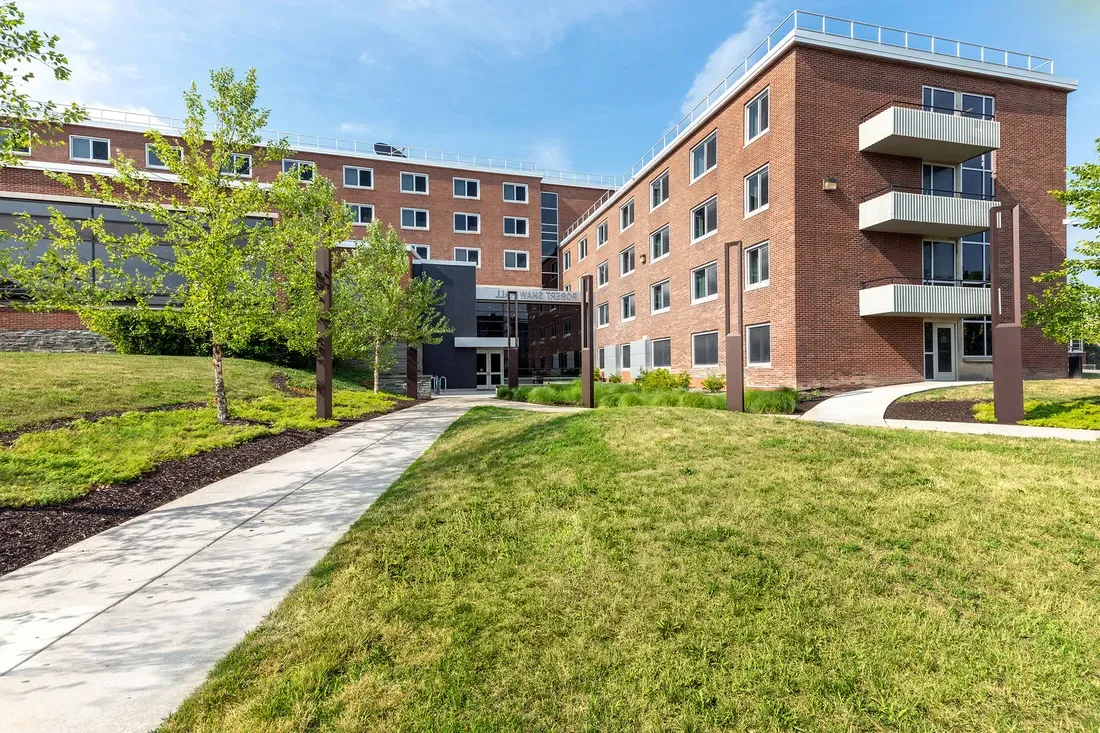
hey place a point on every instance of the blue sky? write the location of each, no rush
(585, 85)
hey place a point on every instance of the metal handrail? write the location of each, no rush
(927, 108)
(944, 192)
(901, 280)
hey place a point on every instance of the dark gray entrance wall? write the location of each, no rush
(459, 288)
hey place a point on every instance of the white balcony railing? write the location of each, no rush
(902, 299)
(911, 131)
(903, 210)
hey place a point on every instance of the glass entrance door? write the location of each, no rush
(944, 356)
(490, 369)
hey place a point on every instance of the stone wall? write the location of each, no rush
(55, 340)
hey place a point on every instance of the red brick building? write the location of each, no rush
(857, 170)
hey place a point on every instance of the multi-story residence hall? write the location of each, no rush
(857, 166)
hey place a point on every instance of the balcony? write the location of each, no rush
(902, 297)
(931, 212)
(930, 133)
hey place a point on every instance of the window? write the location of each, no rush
(422, 251)
(938, 180)
(95, 149)
(977, 105)
(704, 349)
(756, 116)
(949, 102)
(152, 160)
(704, 220)
(582, 249)
(414, 183)
(566, 326)
(601, 235)
(1076, 346)
(756, 266)
(939, 263)
(468, 254)
(599, 356)
(414, 218)
(601, 274)
(603, 315)
(567, 260)
(975, 259)
(704, 156)
(661, 299)
(239, 165)
(302, 169)
(627, 303)
(624, 356)
(515, 193)
(553, 329)
(467, 188)
(358, 177)
(704, 283)
(658, 244)
(515, 260)
(467, 223)
(662, 353)
(759, 339)
(515, 226)
(658, 191)
(626, 261)
(21, 144)
(361, 213)
(976, 177)
(978, 337)
(756, 191)
(939, 100)
(626, 215)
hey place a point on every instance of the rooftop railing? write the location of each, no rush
(826, 25)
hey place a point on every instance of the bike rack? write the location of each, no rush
(439, 385)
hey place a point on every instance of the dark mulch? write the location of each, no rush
(945, 411)
(8, 437)
(808, 399)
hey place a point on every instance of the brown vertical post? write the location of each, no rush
(324, 334)
(412, 369)
(1008, 354)
(588, 344)
(512, 331)
(735, 357)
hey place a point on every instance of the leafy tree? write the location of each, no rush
(376, 303)
(25, 120)
(1069, 307)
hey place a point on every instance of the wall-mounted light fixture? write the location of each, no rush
(643, 259)
(828, 184)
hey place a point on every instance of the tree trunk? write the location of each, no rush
(377, 362)
(219, 385)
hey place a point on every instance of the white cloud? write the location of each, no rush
(551, 155)
(760, 20)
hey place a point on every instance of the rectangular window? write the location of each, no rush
(756, 116)
(658, 191)
(978, 337)
(582, 249)
(422, 251)
(661, 299)
(704, 283)
(976, 177)
(759, 339)
(467, 188)
(152, 160)
(626, 261)
(947, 101)
(95, 149)
(468, 254)
(938, 180)
(239, 166)
(355, 177)
(976, 105)
(467, 223)
(658, 244)
(601, 235)
(515, 226)
(757, 271)
(624, 356)
(704, 220)
(414, 183)
(756, 191)
(567, 260)
(515, 260)
(939, 100)
(975, 259)
(939, 263)
(566, 326)
(599, 357)
(704, 349)
(515, 193)
(627, 303)
(414, 218)
(662, 353)
(361, 213)
(601, 274)
(603, 315)
(20, 145)
(303, 170)
(929, 351)
(626, 215)
(704, 156)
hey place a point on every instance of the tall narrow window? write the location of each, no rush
(757, 270)
(976, 176)
(658, 244)
(704, 220)
(567, 259)
(756, 191)
(627, 302)
(975, 259)
(939, 263)
(662, 353)
(756, 116)
(601, 274)
(759, 340)
(661, 299)
(658, 191)
(978, 337)
(626, 215)
(601, 234)
(582, 248)
(704, 283)
(603, 315)
(626, 261)
(704, 156)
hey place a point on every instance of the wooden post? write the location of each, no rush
(588, 344)
(412, 369)
(511, 331)
(735, 356)
(1008, 352)
(324, 334)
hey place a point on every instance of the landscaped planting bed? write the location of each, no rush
(780, 401)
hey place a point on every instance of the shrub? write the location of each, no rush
(714, 382)
(522, 393)
(771, 401)
(504, 392)
(596, 376)
(657, 379)
(549, 394)
(683, 381)
(615, 379)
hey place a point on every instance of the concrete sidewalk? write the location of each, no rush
(112, 633)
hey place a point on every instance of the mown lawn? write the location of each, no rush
(693, 570)
(1054, 403)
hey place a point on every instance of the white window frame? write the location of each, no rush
(601, 234)
(711, 233)
(517, 252)
(694, 362)
(149, 148)
(427, 219)
(466, 182)
(748, 346)
(668, 190)
(566, 260)
(763, 207)
(6, 131)
(652, 288)
(504, 193)
(762, 283)
(622, 304)
(627, 207)
(957, 105)
(652, 347)
(691, 283)
(91, 147)
(427, 183)
(427, 250)
(301, 164)
(526, 226)
(582, 248)
(652, 257)
(233, 172)
(748, 106)
(604, 310)
(634, 256)
(358, 169)
(467, 214)
(467, 250)
(691, 156)
(607, 270)
(353, 205)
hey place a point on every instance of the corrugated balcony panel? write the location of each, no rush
(918, 133)
(924, 300)
(917, 213)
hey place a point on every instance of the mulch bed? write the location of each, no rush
(808, 399)
(943, 411)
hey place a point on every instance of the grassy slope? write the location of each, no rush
(693, 570)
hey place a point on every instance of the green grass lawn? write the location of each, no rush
(695, 570)
(1055, 403)
(771, 401)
